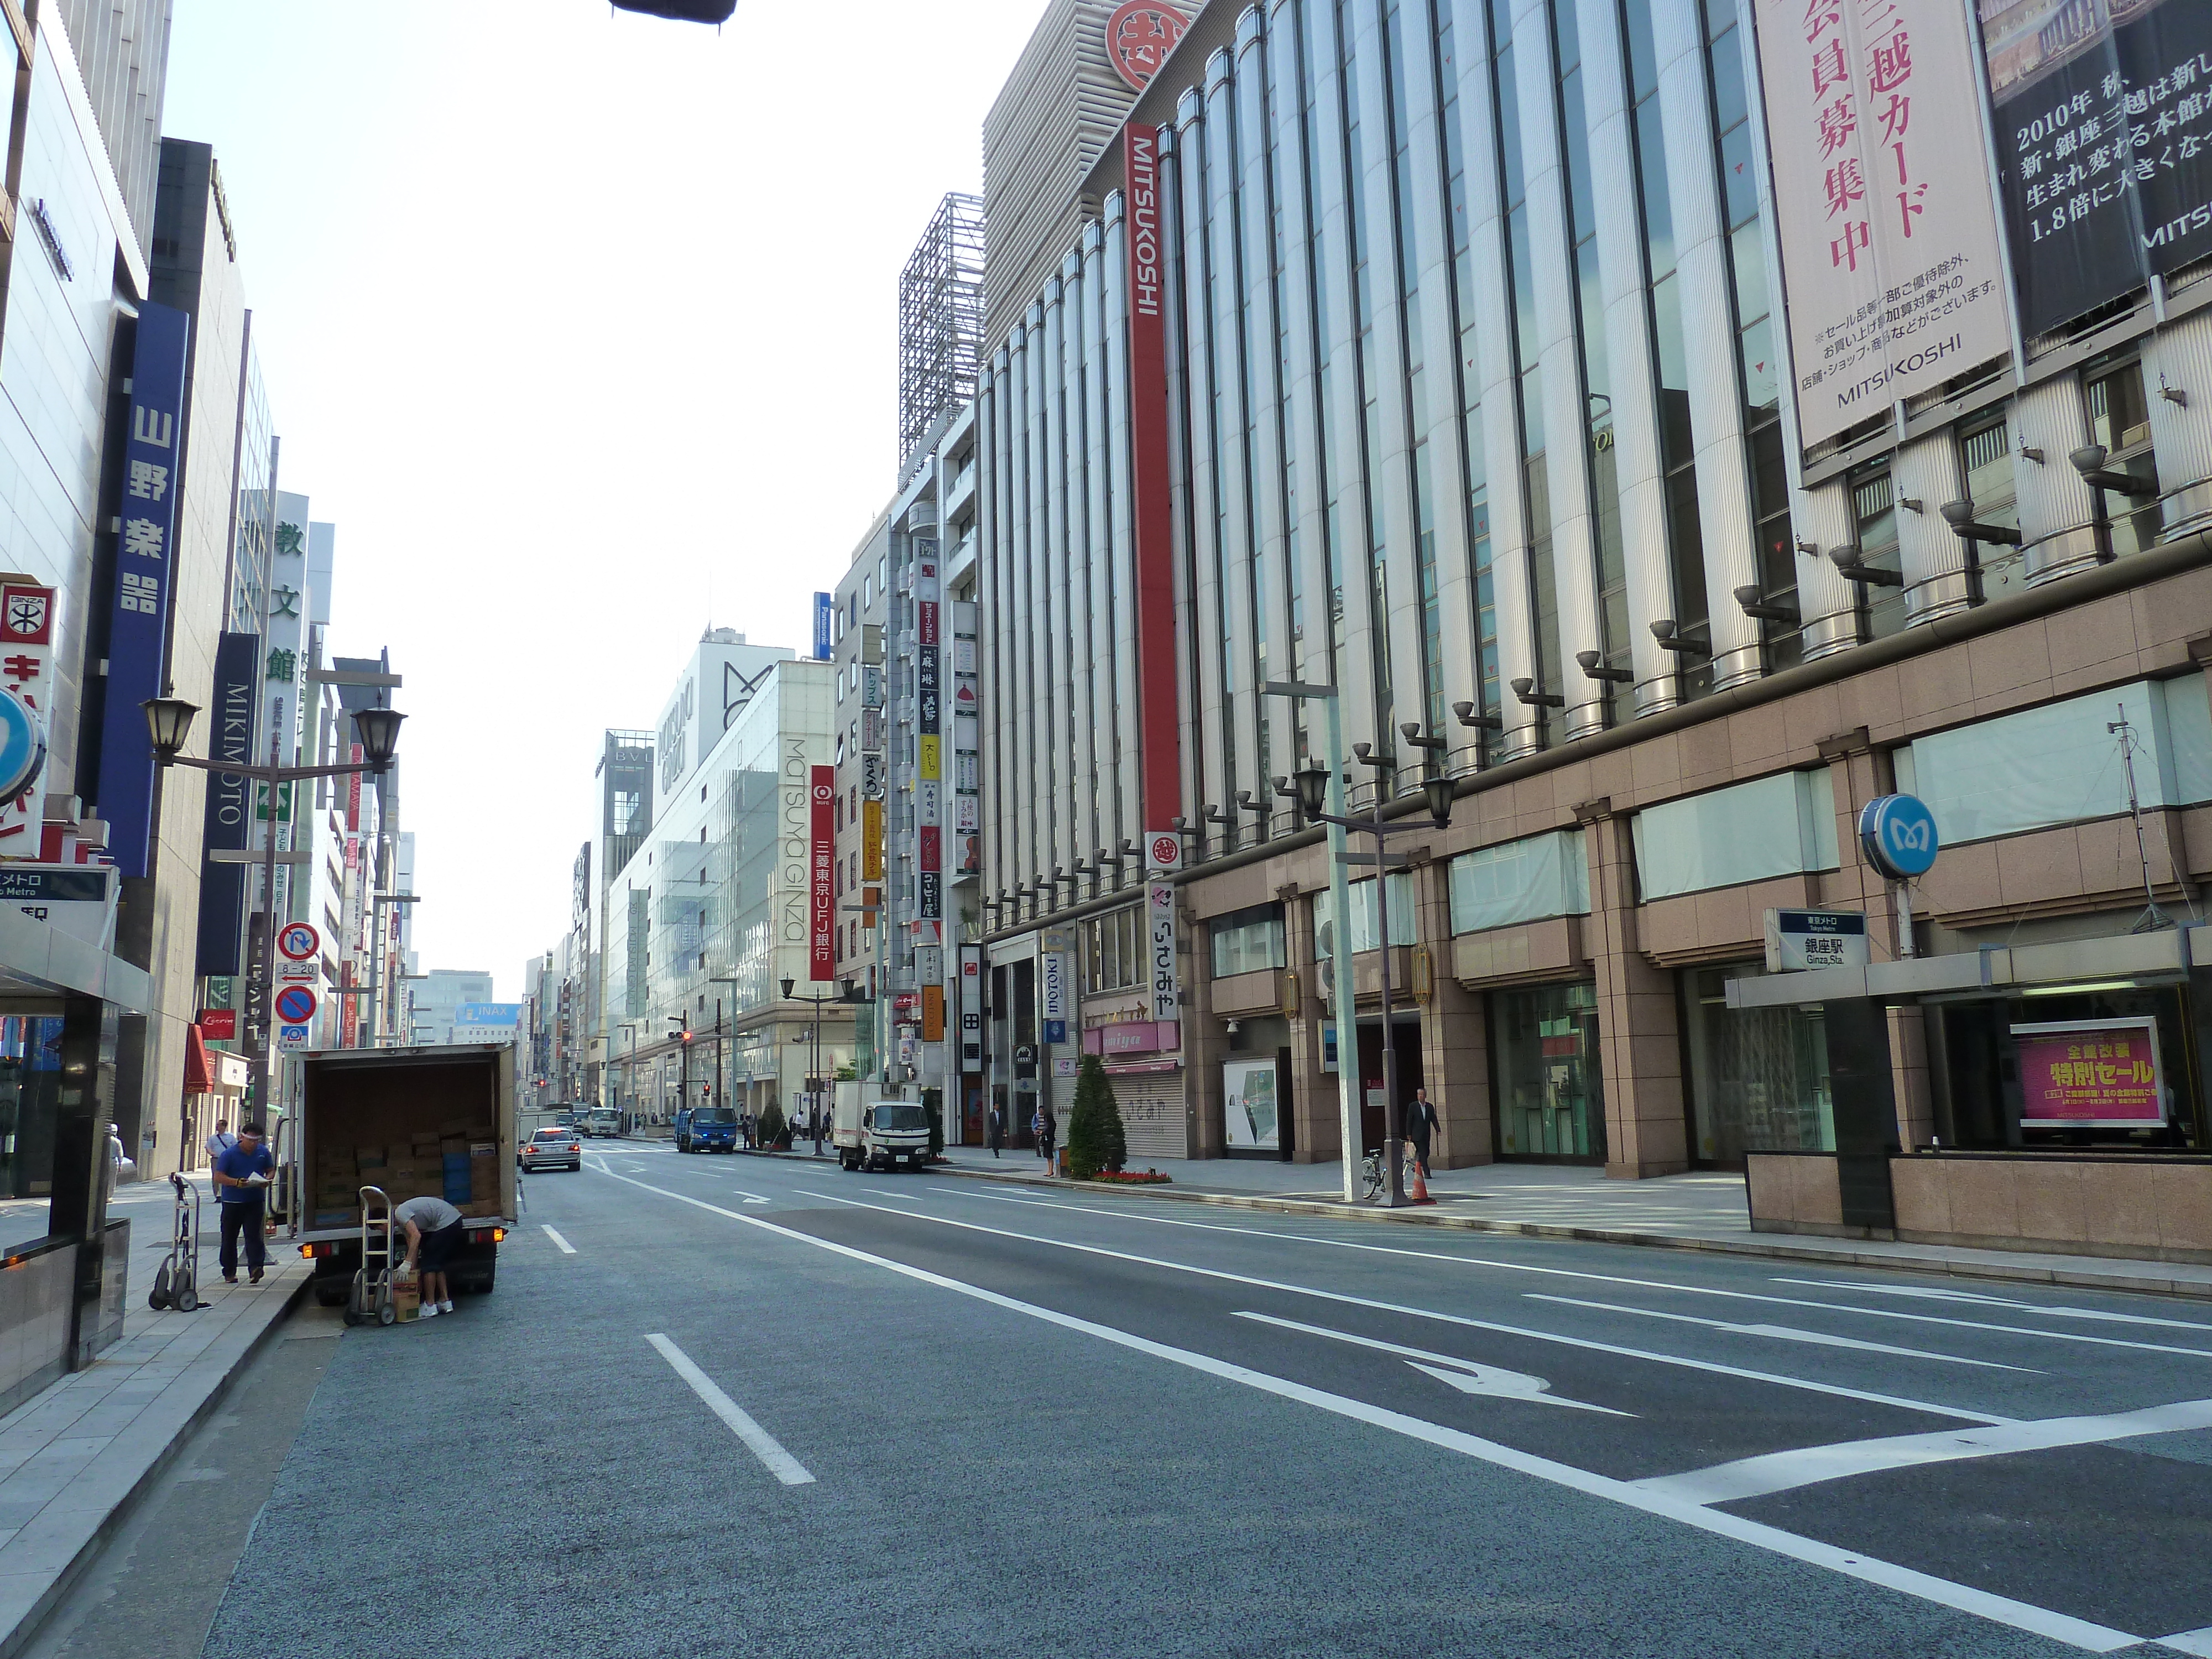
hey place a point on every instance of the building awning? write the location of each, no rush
(198, 1078)
(39, 960)
(1995, 968)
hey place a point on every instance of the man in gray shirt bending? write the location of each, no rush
(434, 1233)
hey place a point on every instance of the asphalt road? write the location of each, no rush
(742, 1406)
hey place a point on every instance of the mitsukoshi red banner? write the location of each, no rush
(1159, 763)
(821, 866)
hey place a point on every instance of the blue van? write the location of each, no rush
(707, 1129)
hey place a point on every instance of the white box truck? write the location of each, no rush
(872, 1130)
(433, 1121)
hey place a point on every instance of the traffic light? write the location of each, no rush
(684, 11)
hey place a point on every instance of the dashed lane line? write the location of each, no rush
(566, 1249)
(1780, 1334)
(1999, 1609)
(780, 1463)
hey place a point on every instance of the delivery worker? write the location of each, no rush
(242, 1172)
(434, 1233)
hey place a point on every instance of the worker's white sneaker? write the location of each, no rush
(445, 1307)
(429, 1311)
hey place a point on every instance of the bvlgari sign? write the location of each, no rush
(1138, 37)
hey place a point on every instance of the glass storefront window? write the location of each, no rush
(1547, 1085)
(1759, 1077)
(30, 1098)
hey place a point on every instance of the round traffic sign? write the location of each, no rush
(299, 941)
(1897, 834)
(296, 1004)
(23, 745)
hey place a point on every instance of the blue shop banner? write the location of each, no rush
(231, 724)
(144, 568)
(822, 627)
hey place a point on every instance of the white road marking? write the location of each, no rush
(1976, 1299)
(780, 1463)
(1712, 1367)
(1780, 1333)
(1807, 1466)
(2189, 1641)
(566, 1249)
(1521, 1386)
(1133, 1214)
(1999, 1609)
(1003, 1198)
(749, 1198)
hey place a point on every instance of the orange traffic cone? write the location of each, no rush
(1420, 1193)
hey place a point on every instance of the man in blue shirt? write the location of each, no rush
(242, 1175)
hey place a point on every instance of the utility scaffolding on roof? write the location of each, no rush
(940, 323)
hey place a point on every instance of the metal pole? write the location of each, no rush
(1393, 1143)
(721, 1098)
(265, 962)
(1347, 1027)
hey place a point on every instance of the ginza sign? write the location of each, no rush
(1881, 198)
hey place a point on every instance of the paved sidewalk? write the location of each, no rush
(73, 1457)
(1705, 1210)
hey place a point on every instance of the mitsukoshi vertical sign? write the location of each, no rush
(144, 570)
(1890, 261)
(1160, 765)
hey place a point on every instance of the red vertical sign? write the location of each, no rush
(822, 866)
(1159, 724)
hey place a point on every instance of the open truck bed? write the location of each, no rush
(414, 1121)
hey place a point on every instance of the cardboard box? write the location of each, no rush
(406, 1296)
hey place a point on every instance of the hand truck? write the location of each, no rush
(176, 1284)
(371, 1298)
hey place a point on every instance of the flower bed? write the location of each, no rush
(1131, 1178)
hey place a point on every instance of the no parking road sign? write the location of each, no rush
(296, 1004)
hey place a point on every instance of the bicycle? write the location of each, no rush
(1372, 1176)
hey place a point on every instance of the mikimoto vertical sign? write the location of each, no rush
(229, 799)
(138, 604)
(1159, 730)
(1889, 242)
(821, 866)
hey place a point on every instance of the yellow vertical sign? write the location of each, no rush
(930, 746)
(871, 841)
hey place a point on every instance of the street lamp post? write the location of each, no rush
(721, 1096)
(682, 1031)
(1311, 786)
(814, 1051)
(169, 722)
(630, 1071)
(377, 902)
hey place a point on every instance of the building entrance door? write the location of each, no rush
(1550, 1093)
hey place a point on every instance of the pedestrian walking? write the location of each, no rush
(1036, 1131)
(242, 1172)
(434, 1233)
(996, 1132)
(1420, 1124)
(1049, 1133)
(220, 1142)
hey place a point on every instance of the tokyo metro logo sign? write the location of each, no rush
(1139, 37)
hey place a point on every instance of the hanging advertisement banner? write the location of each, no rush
(871, 841)
(821, 628)
(933, 1013)
(2090, 1074)
(822, 867)
(139, 605)
(1159, 913)
(1889, 244)
(1150, 478)
(27, 656)
(1249, 1108)
(871, 775)
(2103, 115)
(230, 737)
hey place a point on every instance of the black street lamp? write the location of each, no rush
(169, 723)
(1311, 784)
(814, 1049)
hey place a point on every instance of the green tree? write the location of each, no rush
(772, 1126)
(1094, 1138)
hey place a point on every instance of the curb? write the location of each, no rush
(34, 1616)
(2084, 1279)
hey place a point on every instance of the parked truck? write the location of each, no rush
(873, 1130)
(436, 1121)
(707, 1129)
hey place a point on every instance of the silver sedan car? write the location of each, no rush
(553, 1149)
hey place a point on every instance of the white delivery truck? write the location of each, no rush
(873, 1130)
(435, 1120)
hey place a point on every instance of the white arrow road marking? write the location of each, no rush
(1888, 1575)
(1975, 1298)
(1779, 1332)
(634, 1168)
(1478, 1378)
(1807, 1466)
(780, 1463)
(749, 1198)
(566, 1249)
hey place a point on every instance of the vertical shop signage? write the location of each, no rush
(144, 568)
(1889, 242)
(871, 840)
(2090, 1074)
(2104, 146)
(230, 737)
(821, 628)
(27, 657)
(1159, 726)
(821, 866)
(971, 1007)
(1159, 913)
(929, 788)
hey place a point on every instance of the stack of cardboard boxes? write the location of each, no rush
(458, 1161)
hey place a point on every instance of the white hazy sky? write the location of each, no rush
(580, 327)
